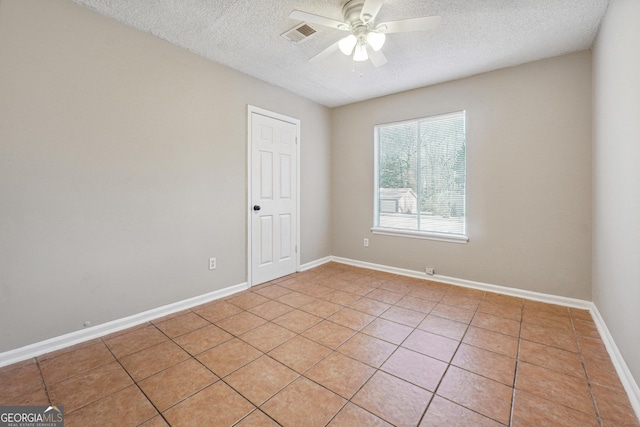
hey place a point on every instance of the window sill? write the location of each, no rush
(442, 237)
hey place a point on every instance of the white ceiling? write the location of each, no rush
(474, 36)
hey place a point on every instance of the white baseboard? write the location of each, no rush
(316, 263)
(73, 338)
(629, 383)
(536, 296)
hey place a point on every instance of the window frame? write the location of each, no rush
(399, 232)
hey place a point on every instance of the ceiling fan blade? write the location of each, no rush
(412, 24)
(377, 57)
(370, 10)
(317, 19)
(328, 51)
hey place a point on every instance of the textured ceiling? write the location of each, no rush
(474, 36)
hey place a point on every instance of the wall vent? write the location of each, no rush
(299, 33)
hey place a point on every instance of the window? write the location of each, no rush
(421, 177)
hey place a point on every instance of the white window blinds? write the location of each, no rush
(421, 176)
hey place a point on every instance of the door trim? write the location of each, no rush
(257, 110)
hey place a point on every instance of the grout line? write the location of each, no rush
(450, 363)
(83, 373)
(257, 409)
(517, 365)
(44, 384)
(135, 383)
(376, 370)
(586, 373)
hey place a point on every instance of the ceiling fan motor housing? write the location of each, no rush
(351, 12)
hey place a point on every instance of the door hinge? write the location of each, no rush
(296, 248)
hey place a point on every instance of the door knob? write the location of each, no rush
(256, 207)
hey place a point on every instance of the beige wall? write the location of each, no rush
(528, 177)
(616, 181)
(123, 169)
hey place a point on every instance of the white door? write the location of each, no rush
(273, 200)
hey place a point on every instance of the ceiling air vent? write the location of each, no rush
(299, 33)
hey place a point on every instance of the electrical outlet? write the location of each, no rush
(212, 264)
(366, 243)
(429, 270)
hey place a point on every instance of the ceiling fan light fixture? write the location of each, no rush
(347, 44)
(361, 52)
(376, 40)
(365, 37)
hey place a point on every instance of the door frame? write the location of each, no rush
(257, 110)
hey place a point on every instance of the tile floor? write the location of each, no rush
(338, 346)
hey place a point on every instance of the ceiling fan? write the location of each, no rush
(367, 37)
